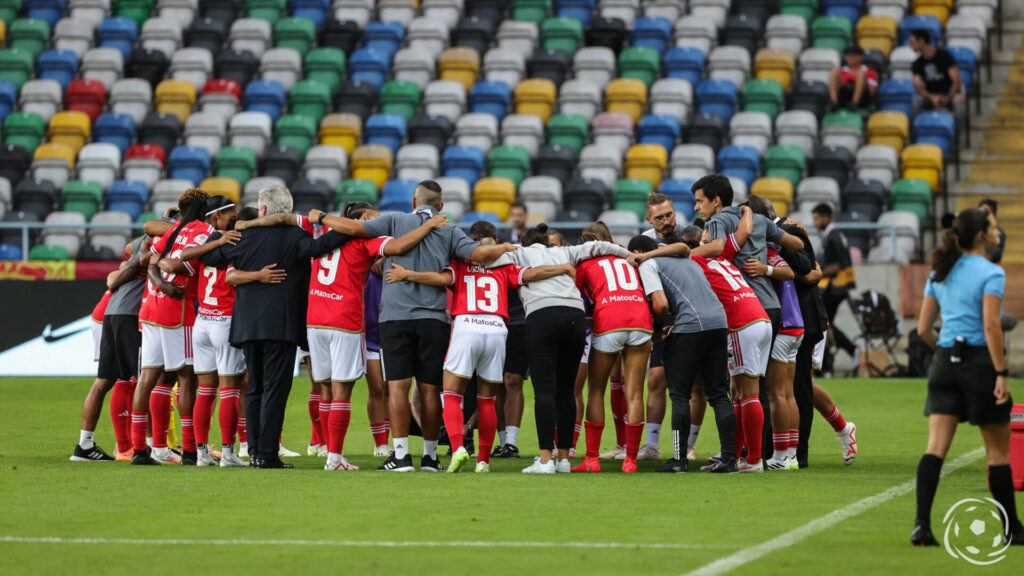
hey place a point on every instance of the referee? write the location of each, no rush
(968, 379)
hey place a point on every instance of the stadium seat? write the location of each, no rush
(281, 65)
(730, 63)
(964, 31)
(353, 190)
(718, 97)
(161, 34)
(127, 196)
(329, 164)
(432, 130)
(445, 98)
(494, 195)
(777, 190)
(16, 66)
(14, 161)
(566, 130)
(923, 161)
(966, 63)
(310, 194)
(299, 34)
(630, 194)
(777, 65)
(373, 162)
(641, 63)
(691, 161)
(759, 95)
(206, 130)
(223, 186)
(797, 128)
(526, 131)
(536, 97)
(310, 98)
(628, 96)
(613, 129)
(369, 66)
(104, 66)
(34, 196)
(517, 36)
(73, 35)
(580, 97)
(601, 162)
(707, 129)
(505, 66)
(818, 190)
(397, 195)
(786, 32)
(131, 97)
(387, 130)
(879, 163)
(866, 197)
(176, 97)
(542, 195)
(252, 35)
(565, 34)
(752, 129)
(181, 11)
(341, 34)
(118, 33)
(474, 33)
(99, 162)
(897, 95)
(71, 128)
(477, 130)
(913, 195)
(834, 32)
(356, 98)
(145, 163)
(491, 98)
(160, 129)
(326, 65)
(877, 33)
(447, 11)
(585, 196)
(833, 162)
(659, 130)
(399, 98)
(646, 162)
(30, 35)
(741, 162)
(24, 129)
(112, 238)
(87, 96)
(58, 65)
(428, 36)
(237, 65)
(114, 128)
(843, 128)
(283, 162)
(695, 32)
(299, 132)
(189, 163)
(608, 32)
(685, 63)
(787, 162)
(235, 162)
(651, 32)
(816, 64)
(681, 194)
(889, 129)
(557, 161)
(344, 130)
(86, 198)
(68, 239)
(936, 127)
(672, 97)
(553, 65)
(208, 33)
(511, 162)
(44, 252)
(743, 31)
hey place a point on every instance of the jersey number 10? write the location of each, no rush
(619, 274)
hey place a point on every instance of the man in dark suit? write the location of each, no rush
(270, 319)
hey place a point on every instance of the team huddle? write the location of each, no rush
(728, 315)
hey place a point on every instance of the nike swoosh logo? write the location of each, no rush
(50, 338)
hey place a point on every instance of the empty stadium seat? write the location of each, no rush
(568, 130)
(776, 64)
(684, 63)
(373, 162)
(86, 198)
(741, 162)
(777, 190)
(536, 97)
(601, 162)
(580, 97)
(936, 127)
(355, 98)
(58, 65)
(223, 186)
(160, 129)
(833, 162)
(25, 130)
(127, 196)
(843, 128)
(752, 129)
(145, 163)
(189, 163)
(491, 98)
(505, 66)
(692, 161)
(70, 128)
(613, 129)
(889, 128)
(329, 164)
(707, 129)
(99, 162)
(445, 98)
(282, 162)
(646, 162)
(553, 65)
(387, 130)
(326, 65)
(923, 161)
(913, 195)
(718, 97)
(344, 130)
(433, 130)
(787, 162)
(556, 161)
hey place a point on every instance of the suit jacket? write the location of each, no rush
(273, 311)
(808, 295)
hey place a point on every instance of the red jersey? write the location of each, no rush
(849, 77)
(614, 287)
(480, 290)
(216, 296)
(101, 308)
(159, 308)
(337, 282)
(742, 307)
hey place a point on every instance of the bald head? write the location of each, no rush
(428, 193)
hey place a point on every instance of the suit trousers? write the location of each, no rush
(803, 392)
(271, 364)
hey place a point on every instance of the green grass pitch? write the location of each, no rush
(307, 521)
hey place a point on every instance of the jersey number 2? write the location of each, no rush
(211, 279)
(488, 293)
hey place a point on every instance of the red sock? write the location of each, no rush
(452, 413)
(188, 435)
(228, 415)
(487, 427)
(576, 433)
(618, 401)
(780, 441)
(242, 436)
(740, 440)
(139, 421)
(202, 414)
(594, 432)
(380, 433)
(753, 424)
(313, 405)
(120, 414)
(634, 432)
(323, 417)
(835, 418)
(341, 415)
(160, 408)
(794, 438)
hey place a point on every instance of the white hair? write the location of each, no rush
(276, 199)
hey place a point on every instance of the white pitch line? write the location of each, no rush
(747, 555)
(362, 543)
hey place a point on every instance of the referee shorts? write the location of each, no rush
(965, 389)
(119, 348)
(414, 349)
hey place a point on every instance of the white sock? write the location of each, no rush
(202, 448)
(502, 435)
(85, 439)
(692, 441)
(227, 450)
(333, 459)
(653, 435)
(430, 448)
(149, 441)
(512, 434)
(779, 455)
(401, 447)
(791, 452)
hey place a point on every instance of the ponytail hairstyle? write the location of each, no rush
(956, 240)
(536, 235)
(355, 210)
(215, 204)
(192, 204)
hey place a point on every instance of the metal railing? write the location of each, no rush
(27, 227)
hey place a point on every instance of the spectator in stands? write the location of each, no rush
(517, 216)
(995, 254)
(836, 278)
(936, 76)
(853, 85)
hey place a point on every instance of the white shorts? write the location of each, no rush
(749, 349)
(302, 354)
(166, 348)
(786, 347)
(213, 350)
(335, 355)
(477, 345)
(586, 350)
(615, 342)
(97, 337)
(818, 356)
(372, 354)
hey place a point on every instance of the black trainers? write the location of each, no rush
(143, 459)
(189, 458)
(393, 464)
(428, 464)
(674, 466)
(721, 467)
(94, 454)
(508, 451)
(1017, 538)
(922, 536)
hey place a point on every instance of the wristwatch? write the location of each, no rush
(1003, 372)
(320, 220)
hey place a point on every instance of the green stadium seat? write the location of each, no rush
(512, 162)
(631, 194)
(640, 62)
(787, 162)
(326, 65)
(44, 252)
(297, 33)
(913, 195)
(16, 66)
(269, 10)
(9, 10)
(399, 97)
(311, 98)
(833, 32)
(803, 8)
(296, 131)
(530, 10)
(565, 34)
(29, 34)
(235, 162)
(138, 10)
(85, 198)
(571, 130)
(353, 190)
(25, 129)
(759, 95)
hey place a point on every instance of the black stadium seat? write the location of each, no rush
(355, 97)
(556, 161)
(864, 196)
(161, 130)
(37, 197)
(14, 161)
(706, 129)
(207, 33)
(832, 162)
(744, 31)
(608, 32)
(343, 35)
(551, 64)
(224, 10)
(148, 64)
(475, 33)
(810, 96)
(587, 196)
(13, 236)
(433, 130)
(283, 162)
(237, 65)
(310, 194)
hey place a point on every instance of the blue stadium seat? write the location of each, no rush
(385, 129)
(849, 9)
(118, 33)
(651, 32)
(384, 37)
(463, 162)
(265, 96)
(189, 163)
(966, 63)
(577, 9)
(684, 62)
(914, 22)
(739, 162)
(59, 65)
(397, 195)
(471, 217)
(490, 98)
(10, 252)
(127, 196)
(49, 10)
(681, 193)
(315, 10)
(717, 97)
(370, 66)
(8, 98)
(935, 127)
(116, 129)
(661, 130)
(897, 95)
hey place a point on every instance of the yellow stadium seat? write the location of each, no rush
(71, 128)
(876, 33)
(225, 186)
(536, 97)
(55, 151)
(176, 97)
(646, 162)
(778, 190)
(372, 162)
(494, 195)
(923, 161)
(775, 64)
(627, 95)
(345, 130)
(938, 8)
(889, 129)
(460, 64)
(3, 33)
